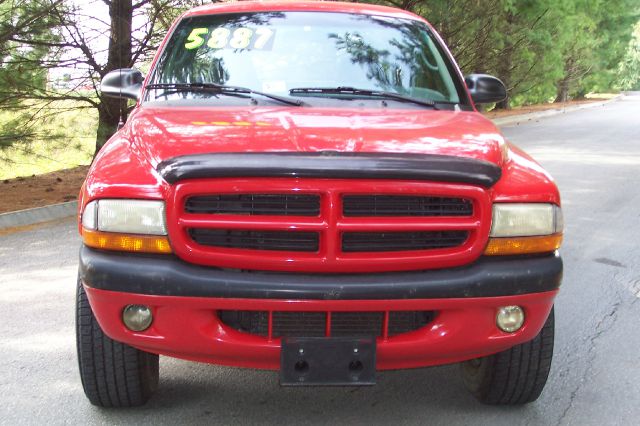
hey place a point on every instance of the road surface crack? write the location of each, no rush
(605, 324)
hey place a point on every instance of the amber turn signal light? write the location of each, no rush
(126, 242)
(523, 245)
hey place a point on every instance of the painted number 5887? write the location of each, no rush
(239, 38)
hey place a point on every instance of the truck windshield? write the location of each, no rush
(288, 53)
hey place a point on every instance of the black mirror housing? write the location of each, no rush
(122, 83)
(485, 89)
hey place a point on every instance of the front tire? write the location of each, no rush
(515, 376)
(113, 374)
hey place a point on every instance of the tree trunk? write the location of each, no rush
(563, 91)
(119, 56)
(564, 85)
(504, 75)
(505, 104)
(108, 118)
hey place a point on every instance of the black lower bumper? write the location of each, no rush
(170, 276)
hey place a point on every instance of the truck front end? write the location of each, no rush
(307, 187)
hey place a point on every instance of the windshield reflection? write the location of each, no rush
(278, 51)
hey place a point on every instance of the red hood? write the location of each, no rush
(177, 131)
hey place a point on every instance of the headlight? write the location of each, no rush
(525, 228)
(126, 225)
(128, 216)
(90, 216)
(522, 220)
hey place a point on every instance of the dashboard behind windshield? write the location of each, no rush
(276, 52)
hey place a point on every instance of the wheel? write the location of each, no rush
(113, 374)
(515, 376)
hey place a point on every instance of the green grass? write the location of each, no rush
(65, 138)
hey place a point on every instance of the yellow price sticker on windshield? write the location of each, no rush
(225, 38)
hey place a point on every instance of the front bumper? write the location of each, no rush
(184, 300)
(164, 275)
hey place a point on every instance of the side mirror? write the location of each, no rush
(122, 83)
(485, 89)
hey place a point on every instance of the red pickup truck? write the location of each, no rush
(309, 188)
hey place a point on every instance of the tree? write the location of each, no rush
(20, 70)
(541, 49)
(524, 56)
(508, 38)
(595, 43)
(615, 31)
(629, 69)
(87, 45)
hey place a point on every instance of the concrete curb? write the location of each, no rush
(38, 215)
(521, 118)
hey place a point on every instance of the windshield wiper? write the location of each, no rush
(222, 89)
(365, 92)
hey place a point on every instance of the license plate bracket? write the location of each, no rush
(327, 361)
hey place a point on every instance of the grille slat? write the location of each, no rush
(255, 204)
(400, 241)
(256, 240)
(299, 324)
(313, 324)
(356, 324)
(400, 205)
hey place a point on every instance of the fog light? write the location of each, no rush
(137, 317)
(510, 318)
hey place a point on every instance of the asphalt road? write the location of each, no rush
(595, 156)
